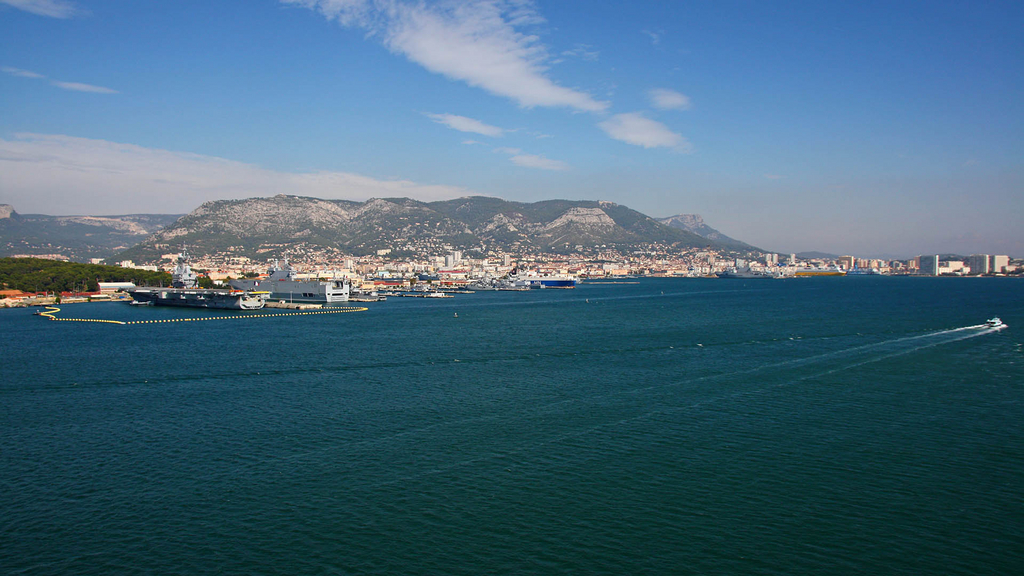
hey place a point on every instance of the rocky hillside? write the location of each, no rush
(269, 227)
(695, 224)
(75, 237)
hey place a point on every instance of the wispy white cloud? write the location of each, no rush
(51, 8)
(478, 42)
(635, 128)
(665, 99)
(76, 86)
(535, 161)
(519, 158)
(583, 51)
(464, 124)
(20, 72)
(57, 174)
(79, 87)
(654, 36)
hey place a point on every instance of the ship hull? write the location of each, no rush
(557, 283)
(743, 275)
(198, 298)
(821, 273)
(543, 282)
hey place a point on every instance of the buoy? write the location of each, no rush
(456, 314)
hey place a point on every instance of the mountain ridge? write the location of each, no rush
(75, 237)
(271, 226)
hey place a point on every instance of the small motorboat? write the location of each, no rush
(994, 323)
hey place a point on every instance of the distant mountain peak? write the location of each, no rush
(695, 223)
(7, 211)
(684, 221)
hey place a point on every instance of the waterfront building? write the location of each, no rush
(998, 264)
(846, 262)
(928, 265)
(111, 287)
(979, 263)
(952, 267)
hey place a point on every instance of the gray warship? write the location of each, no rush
(282, 285)
(185, 291)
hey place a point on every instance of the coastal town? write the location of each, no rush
(455, 268)
(381, 273)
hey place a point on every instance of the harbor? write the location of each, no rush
(664, 390)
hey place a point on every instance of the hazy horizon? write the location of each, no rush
(851, 129)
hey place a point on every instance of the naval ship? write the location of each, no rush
(282, 285)
(746, 274)
(185, 291)
(534, 280)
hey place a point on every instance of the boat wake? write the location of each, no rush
(655, 401)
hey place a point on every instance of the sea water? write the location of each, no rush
(665, 426)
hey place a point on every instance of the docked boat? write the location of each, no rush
(199, 298)
(282, 285)
(185, 291)
(994, 323)
(533, 280)
(855, 271)
(830, 271)
(746, 274)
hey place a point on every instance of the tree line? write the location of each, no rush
(41, 275)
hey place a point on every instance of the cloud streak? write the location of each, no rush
(51, 8)
(74, 86)
(79, 87)
(539, 162)
(477, 42)
(519, 158)
(665, 99)
(634, 128)
(39, 172)
(464, 124)
(21, 73)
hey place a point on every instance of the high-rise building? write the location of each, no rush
(979, 263)
(998, 264)
(928, 265)
(846, 262)
(454, 259)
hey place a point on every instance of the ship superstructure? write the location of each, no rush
(185, 291)
(535, 280)
(282, 284)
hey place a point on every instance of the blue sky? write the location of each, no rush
(869, 128)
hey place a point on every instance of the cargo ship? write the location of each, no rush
(282, 285)
(185, 291)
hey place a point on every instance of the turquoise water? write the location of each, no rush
(807, 426)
